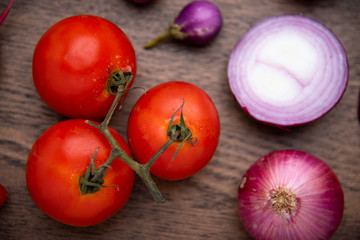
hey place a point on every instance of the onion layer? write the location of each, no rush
(288, 70)
(289, 194)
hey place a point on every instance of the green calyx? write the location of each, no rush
(93, 180)
(179, 132)
(176, 33)
(118, 80)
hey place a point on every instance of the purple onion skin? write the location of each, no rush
(201, 21)
(314, 191)
(4, 14)
(322, 87)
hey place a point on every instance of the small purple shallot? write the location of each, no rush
(198, 23)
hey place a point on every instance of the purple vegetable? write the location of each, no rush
(289, 194)
(199, 22)
(288, 70)
(6, 12)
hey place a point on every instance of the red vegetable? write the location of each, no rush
(148, 125)
(288, 70)
(198, 22)
(290, 194)
(3, 195)
(6, 11)
(72, 63)
(58, 162)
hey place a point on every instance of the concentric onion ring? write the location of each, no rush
(288, 70)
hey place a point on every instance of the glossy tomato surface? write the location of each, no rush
(57, 160)
(149, 120)
(70, 65)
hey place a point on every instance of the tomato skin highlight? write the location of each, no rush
(149, 120)
(57, 160)
(70, 65)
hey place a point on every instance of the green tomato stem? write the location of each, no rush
(93, 179)
(143, 170)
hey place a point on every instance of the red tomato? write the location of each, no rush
(148, 123)
(70, 65)
(57, 161)
(3, 195)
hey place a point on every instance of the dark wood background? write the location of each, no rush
(205, 205)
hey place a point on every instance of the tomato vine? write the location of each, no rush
(93, 178)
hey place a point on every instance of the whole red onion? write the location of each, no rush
(288, 70)
(198, 22)
(289, 194)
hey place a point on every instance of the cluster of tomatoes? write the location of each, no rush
(73, 65)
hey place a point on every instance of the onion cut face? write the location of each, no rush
(288, 70)
(289, 194)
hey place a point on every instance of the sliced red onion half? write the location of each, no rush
(289, 194)
(288, 70)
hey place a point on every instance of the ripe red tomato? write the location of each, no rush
(3, 195)
(149, 120)
(57, 161)
(70, 65)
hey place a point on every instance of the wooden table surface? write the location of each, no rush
(205, 205)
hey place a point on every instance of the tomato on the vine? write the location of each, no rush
(149, 120)
(72, 63)
(59, 160)
(3, 195)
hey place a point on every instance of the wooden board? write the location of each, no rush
(205, 205)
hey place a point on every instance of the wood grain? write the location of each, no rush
(203, 206)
